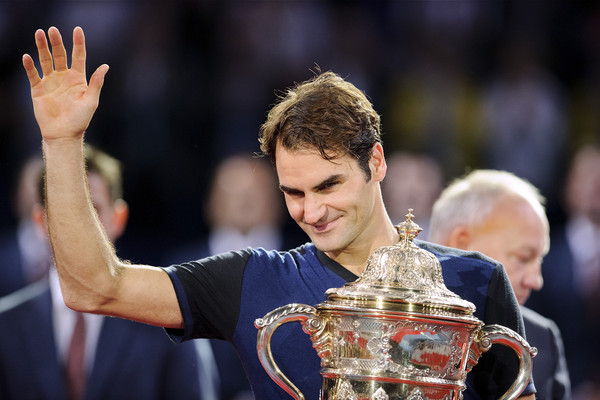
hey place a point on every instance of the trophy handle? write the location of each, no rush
(311, 324)
(490, 334)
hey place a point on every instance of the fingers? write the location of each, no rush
(57, 58)
(58, 49)
(43, 52)
(32, 73)
(78, 56)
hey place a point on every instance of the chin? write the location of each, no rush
(323, 244)
(523, 301)
(327, 241)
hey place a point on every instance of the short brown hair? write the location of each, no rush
(326, 113)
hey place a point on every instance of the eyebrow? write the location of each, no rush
(332, 179)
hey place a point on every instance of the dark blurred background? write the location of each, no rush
(511, 85)
(502, 84)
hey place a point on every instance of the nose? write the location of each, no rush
(314, 209)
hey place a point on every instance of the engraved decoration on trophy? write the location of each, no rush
(397, 332)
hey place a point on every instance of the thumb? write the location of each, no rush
(96, 81)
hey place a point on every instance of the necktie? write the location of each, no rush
(75, 371)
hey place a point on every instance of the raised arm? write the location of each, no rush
(93, 279)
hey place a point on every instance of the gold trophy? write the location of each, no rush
(397, 332)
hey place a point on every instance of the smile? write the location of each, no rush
(322, 227)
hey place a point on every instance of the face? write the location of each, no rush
(245, 196)
(108, 213)
(515, 235)
(412, 182)
(331, 199)
(112, 216)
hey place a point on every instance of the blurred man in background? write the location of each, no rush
(48, 351)
(503, 216)
(243, 209)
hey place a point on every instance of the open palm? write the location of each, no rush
(63, 103)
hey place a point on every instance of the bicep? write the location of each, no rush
(145, 294)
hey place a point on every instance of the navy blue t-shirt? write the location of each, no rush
(222, 296)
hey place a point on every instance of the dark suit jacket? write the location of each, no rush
(550, 372)
(133, 360)
(12, 276)
(561, 301)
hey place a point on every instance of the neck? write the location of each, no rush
(354, 258)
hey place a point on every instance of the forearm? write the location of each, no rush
(85, 258)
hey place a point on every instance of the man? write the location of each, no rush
(323, 138)
(40, 357)
(503, 217)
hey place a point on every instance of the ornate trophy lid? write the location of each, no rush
(402, 277)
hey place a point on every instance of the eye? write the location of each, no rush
(292, 192)
(525, 258)
(327, 185)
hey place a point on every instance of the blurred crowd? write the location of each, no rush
(496, 84)
(466, 84)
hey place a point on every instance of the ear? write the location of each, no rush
(377, 163)
(120, 217)
(460, 238)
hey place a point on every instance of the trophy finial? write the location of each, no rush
(408, 229)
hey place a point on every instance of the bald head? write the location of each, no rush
(501, 216)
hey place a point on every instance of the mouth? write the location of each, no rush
(322, 227)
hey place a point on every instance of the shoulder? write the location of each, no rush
(242, 257)
(225, 263)
(299, 256)
(537, 322)
(445, 252)
(456, 261)
(476, 278)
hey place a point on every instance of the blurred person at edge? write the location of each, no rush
(121, 359)
(324, 139)
(502, 216)
(243, 209)
(24, 254)
(571, 292)
(413, 181)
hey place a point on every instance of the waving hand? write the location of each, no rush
(63, 102)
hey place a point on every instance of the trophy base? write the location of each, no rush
(374, 389)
